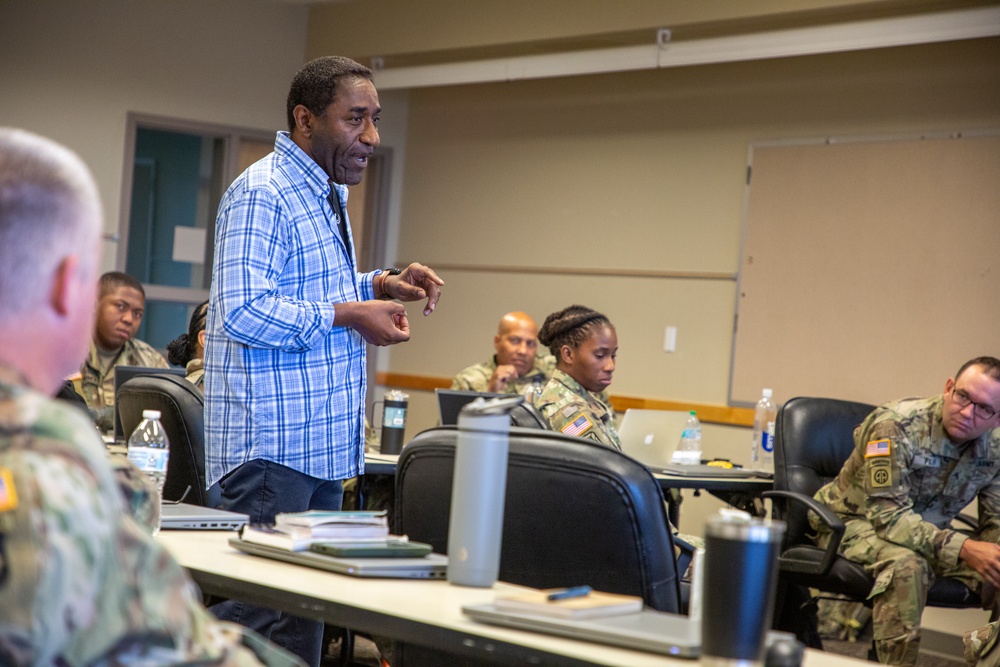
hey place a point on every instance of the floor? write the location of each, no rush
(859, 649)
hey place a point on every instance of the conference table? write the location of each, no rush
(737, 491)
(385, 464)
(423, 612)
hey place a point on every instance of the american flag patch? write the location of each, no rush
(8, 495)
(577, 426)
(877, 448)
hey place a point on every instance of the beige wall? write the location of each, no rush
(639, 171)
(73, 69)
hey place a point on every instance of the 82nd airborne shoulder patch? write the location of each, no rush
(879, 463)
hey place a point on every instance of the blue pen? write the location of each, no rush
(567, 593)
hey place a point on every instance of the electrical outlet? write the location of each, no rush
(670, 339)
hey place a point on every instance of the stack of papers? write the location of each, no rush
(297, 531)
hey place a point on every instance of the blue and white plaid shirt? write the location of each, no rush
(281, 382)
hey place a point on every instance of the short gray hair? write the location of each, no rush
(49, 209)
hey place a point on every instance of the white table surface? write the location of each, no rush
(422, 611)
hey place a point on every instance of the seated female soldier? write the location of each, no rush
(574, 401)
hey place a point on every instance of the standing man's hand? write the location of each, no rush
(502, 376)
(379, 322)
(984, 558)
(414, 283)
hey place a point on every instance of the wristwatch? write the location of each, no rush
(385, 274)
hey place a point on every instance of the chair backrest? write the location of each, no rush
(182, 413)
(527, 415)
(812, 440)
(576, 512)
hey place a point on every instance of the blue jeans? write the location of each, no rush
(261, 489)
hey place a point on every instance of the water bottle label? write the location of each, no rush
(394, 417)
(767, 438)
(149, 460)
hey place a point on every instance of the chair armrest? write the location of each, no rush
(829, 519)
(685, 556)
(971, 524)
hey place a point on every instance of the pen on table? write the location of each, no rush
(567, 593)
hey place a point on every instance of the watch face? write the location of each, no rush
(394, 272)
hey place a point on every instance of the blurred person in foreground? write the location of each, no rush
(82, 582)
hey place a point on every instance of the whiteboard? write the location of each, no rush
(869, 268)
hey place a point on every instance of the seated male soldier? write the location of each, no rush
(515, 367)
(121, 302)
(917, 462)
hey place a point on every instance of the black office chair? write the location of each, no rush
(576, 512)
(526, 415)
(813, 439)
(182, 408)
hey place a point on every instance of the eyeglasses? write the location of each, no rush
(981, 410)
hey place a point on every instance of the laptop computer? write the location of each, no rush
(703, 470)
(182, 516)
(651, 436)
(432, 566)
(451, 402)
(125, 373)
(648, 630)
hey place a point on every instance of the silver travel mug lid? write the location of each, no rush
(738, 525)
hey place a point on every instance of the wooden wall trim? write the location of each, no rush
(587, 271)
(710, 414)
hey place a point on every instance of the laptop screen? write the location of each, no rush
(451, 402)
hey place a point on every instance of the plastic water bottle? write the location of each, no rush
(533, 391)
(149, 449)
(689, 449)
(762, 454)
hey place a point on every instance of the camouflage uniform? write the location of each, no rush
(572, 409)
(195, 373)
(81, 582)
(897, 494)
(99, 390)
(477, 378)
(981, 646)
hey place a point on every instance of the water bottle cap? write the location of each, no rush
(693, 413)
(150, 414)
(767, 393)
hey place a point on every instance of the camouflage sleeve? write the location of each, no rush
(81, 583)
(981, 646)
(888, 462)
(989, 512)
(147, 355)
(473, 378)
(142, 499)
(568, 413)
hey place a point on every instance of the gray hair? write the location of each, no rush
(49, 209)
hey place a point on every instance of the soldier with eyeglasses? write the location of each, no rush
(917, 463)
